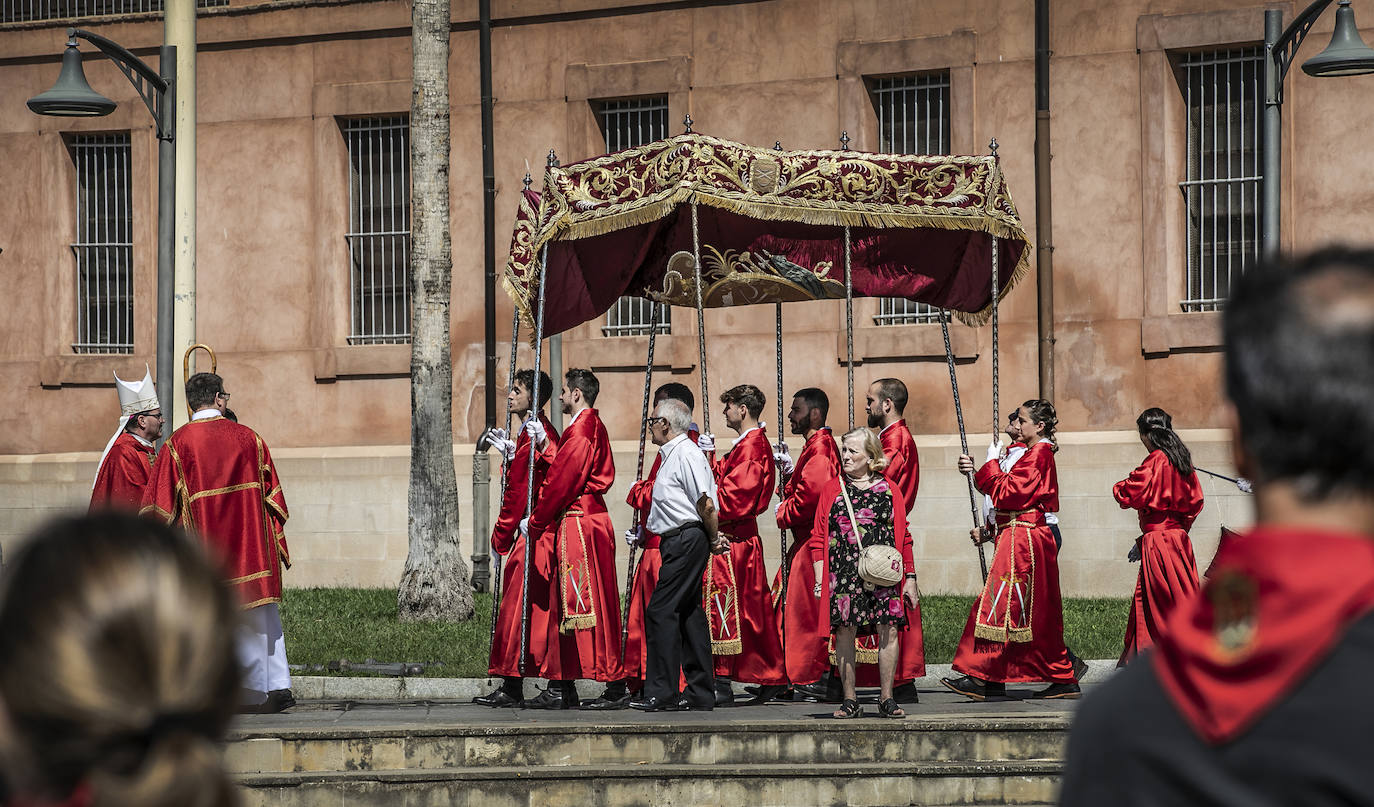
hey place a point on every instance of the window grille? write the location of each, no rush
(1221, 187)
(379, 229)
(913, 118)
(31, 10)
(104, 246)
(627, 123)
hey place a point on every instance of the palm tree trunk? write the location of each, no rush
(435, 584)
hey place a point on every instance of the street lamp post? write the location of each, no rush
(1347, 55)
(72, 97)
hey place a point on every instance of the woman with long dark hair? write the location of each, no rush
(1165, 492)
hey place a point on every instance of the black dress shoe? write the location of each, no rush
(1080, 667)
(551, 699)
(1065, 691)
(975, 689)
(605, 704)
(906, 693)
(725, 692)
(499, 698)
(765, 694)
(685, 704)
(278, 700)
(655, 704)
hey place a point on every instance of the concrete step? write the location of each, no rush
(667, 785)
(681, 740)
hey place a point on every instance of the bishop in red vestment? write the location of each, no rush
(1168, 502)
(582, 636)
(803, 617)
(127, 463)
(736, 595)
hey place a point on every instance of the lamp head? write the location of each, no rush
(1347, 55)
(71, 96)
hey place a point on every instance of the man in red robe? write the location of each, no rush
(507, 541)
(886, 400)
(127, 462)
(215, 478)
(617, 694)
(582, 637)
(1255, 692)
(744, 630)
(802, 615)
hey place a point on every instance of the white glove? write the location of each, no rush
(994, 450)
(535, 430)
(1244, 485)
(497, 434)
(784, 459)
(525, 527)
(632, 537)
(1134, 555)
(506, 447)
(707, 443)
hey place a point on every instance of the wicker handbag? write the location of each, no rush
(880, 565)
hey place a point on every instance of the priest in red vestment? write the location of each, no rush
(1255, 693)
(507, 541)
(1015, 629)
(1168, 497)
(617, 694)
(886, 401)
(127, 463)
(582, 635)
(736, 595)
(216, 479)
(803, 617)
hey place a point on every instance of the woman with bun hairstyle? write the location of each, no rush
(1015, 629)
(1165, 492)
(119, 679)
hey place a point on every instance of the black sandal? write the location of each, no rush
(848, 710)
(889, 708)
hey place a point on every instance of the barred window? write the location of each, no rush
(103, 247)
(379, 229)
(1221, 187)
(29, 10)
(913, 118)
(626, 123)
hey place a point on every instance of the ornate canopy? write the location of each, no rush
(770, 228)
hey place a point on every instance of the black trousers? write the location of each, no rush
(676, 633)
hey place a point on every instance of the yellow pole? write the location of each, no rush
(179, 29)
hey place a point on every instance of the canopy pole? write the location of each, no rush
(963, 436)
(849, 321)
(786, 567)
(505, 472)
(996, 289)
(701, 323)
(639, 474)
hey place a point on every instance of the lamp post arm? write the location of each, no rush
(1281, 51)
(153, 88)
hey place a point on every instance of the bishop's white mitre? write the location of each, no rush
(136, 397)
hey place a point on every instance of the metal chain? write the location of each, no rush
(782, 533)
(996, 403)
(849, 322)
(639, 474)
(963, 435)
(701, 324)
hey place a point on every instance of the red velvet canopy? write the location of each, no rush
(770, 226)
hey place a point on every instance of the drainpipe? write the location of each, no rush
(1044, 235)
(481, 465)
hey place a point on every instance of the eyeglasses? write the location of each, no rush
(223, 395)
(655, 421)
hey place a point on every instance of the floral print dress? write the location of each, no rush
(851, 602)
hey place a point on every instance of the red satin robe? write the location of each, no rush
(903, 472)
(216, 479)
(744, 630)
(582, 639)
(123, 475)
(507, 540)
(1015, 629)
(803, 617)
(1168, 504)
(647, 568)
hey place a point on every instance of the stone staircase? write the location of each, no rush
(662, 760)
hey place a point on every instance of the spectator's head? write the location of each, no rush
(742, 404)
(671, 418)
(1299, 336)
(518, 396)
(119, 678)
(206, 390)
(1036, 420)
(580, 389)
(676, 391)
(861, 453)
(810, 408)
(886, 400)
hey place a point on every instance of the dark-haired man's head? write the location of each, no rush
(675, 391)
(1299, 336)
(518, 397)
(580, 389)
(810, 408)
(743, 405)
(206, 390)
(886, 402)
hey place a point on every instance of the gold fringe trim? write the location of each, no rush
(727, 647)
(574, 623)
(995, 633)
(862, 655)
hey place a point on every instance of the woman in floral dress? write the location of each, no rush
(854, 604)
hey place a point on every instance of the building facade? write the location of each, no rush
(303, 224)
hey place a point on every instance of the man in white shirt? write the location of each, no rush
(683, 513)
